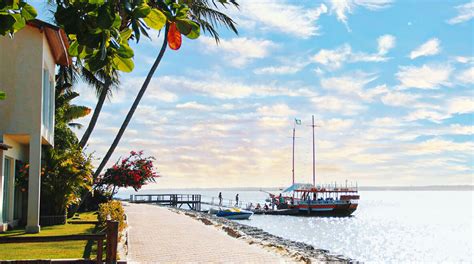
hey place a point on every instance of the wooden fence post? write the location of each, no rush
(112, 241)
(100, 244)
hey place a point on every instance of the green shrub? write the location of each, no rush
(112, 210)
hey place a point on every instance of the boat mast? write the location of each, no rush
(293, 160)
(314, 161)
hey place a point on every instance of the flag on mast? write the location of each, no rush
(297, 121)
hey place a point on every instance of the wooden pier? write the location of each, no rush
(193, 201)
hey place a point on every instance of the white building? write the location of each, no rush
(27, 75)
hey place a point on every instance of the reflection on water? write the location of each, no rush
(388, 226)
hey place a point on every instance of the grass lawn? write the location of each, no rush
(66, 249)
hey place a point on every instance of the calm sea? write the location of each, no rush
(388, 226)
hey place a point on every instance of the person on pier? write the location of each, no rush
(220, 198)
(237, 200)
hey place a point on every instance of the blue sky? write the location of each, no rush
(389, 82)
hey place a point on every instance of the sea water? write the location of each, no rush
(388, 226)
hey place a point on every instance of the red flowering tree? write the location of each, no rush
(133, 171)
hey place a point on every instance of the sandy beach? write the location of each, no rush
(164, 235)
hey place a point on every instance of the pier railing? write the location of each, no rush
(193, 201)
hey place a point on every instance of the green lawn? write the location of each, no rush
(67, 249)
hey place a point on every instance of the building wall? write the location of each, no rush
(22, 60)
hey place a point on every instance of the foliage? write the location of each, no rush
(100, 30)
(21, 179)
(133, 171)
(112, 210)
(66, 174)
(14, 14)
(3, 95)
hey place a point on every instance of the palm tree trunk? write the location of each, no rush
(95, 115)
(134, 106)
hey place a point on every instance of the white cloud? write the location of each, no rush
(399, 99)
(429, 48)
(460, 105)
(422, 114)
(385, 43)
(193, 105)
(466, 76)
(344, 7)
(275, 116)
(336, 124)
(284, 69)
(464, 60)
(350, 84)
(337, 105)
(280, 110)
(239, 51)
(335, 58)
(424, 77)
(353, 86)
(222, 88)
(278, 15)
(438, 145)
(155, 90)
(465, 13)
(457, 129)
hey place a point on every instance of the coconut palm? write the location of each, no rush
(103, 84)
(202, 12)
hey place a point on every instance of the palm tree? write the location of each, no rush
(103, 84)
(208, 18)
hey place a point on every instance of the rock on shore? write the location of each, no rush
(298, 251)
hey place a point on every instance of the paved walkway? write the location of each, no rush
(157, 235)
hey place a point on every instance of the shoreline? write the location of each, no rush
(298, 251)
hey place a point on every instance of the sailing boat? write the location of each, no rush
(312, 199)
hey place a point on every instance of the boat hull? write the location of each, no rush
(235, 215)
(344, 210)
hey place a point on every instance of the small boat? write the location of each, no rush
(234, 213)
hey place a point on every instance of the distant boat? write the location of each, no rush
(311, 199)
(234, 213)
(307, 200)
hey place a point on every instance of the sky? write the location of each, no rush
(390, 84)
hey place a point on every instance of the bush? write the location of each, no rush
(114, 210)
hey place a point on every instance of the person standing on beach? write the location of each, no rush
(237, 200)
(220, 198)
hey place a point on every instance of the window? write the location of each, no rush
(45, 104)
(48, 101)
(51, 104)
(6, 189)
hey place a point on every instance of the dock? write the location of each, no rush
(193, 201)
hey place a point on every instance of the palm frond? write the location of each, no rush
(210, 18)
(75, 112)
(65, 98)
(97, 80)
